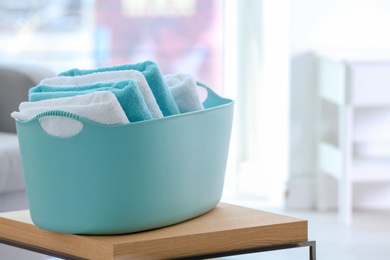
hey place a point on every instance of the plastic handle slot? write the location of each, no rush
(60, 123)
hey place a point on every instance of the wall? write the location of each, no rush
(321, 25)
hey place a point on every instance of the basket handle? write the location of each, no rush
(57, 113)
(212, 98)
(69, 125)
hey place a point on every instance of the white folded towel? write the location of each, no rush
(110, 76)
(100, 106)
(184, 91)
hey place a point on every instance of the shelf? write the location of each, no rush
(371, 124)
(353, 123)
(362, 169)
(371, 170)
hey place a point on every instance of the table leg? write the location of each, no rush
(313, 253)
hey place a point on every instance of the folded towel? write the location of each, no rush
(111, 76)
(153, 76)
(126, 91)
(100, 106)
(185, 92)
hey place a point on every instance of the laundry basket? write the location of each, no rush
(115, 179)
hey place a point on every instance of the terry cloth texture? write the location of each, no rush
(153, 76)
(185, 92)
(111, 76)
(126, 91)
(100, 106)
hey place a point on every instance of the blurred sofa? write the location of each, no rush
(15, 81)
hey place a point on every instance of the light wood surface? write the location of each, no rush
(225, 228)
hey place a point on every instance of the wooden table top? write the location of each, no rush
(227, 227)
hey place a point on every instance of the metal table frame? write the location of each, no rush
(310, 244)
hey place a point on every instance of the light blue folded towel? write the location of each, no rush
(110, 76)
(126, 91)
(152, 75)
(185, 92)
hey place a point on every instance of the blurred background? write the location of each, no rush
(260, 53)
(263, 54)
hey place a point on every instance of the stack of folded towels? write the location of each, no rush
(111, 95)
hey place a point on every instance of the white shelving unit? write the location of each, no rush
(353, 143)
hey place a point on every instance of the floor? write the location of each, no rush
(368, 237)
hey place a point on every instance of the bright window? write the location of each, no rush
(180, 35)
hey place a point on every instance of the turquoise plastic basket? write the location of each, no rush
(115, 179)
